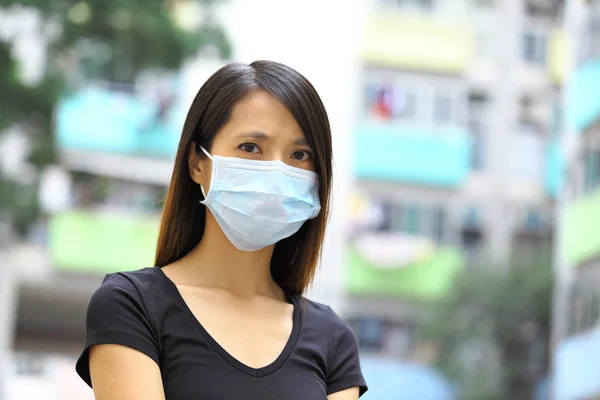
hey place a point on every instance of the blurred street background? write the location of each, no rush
(464, 245)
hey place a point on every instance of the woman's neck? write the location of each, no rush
(215, 262)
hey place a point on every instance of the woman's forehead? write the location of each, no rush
(261, 116)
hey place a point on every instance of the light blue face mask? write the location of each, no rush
(258, 203)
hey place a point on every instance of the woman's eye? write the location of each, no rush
(302, 155)
(249, 147)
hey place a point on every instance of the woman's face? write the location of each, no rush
(260, 128)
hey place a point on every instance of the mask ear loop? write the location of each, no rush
(206, 152)
(210, 157)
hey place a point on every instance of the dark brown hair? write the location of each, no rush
(295, 258)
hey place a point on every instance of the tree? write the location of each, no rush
(30, 109)
(112, 40)
(493, 330)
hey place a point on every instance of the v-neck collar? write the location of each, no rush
(255, 372)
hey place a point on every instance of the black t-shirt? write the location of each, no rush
(144, 310)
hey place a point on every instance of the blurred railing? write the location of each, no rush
(102, 242)
(582, 96)
(400, 40)
(426, 278)
(582, 230)
(114, 118)
(400, 152)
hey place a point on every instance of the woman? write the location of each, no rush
(221, 316)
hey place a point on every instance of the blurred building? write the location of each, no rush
(455, 154)
(116, 144)
(577, 333)
(455, 163)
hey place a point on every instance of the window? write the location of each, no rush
(387, 101)
(379, 101)
(404, 103)
(386, 221)
(533, 220)
(584, 309)
(534, 47)
(411, 224)
(415, 219)
(483, 3)
(592, 170)
(396, 217)
(420, 5)
(478, 112)
(439, 224)
(408, 98)
(404, 219)
(478, 151)
(471, 218)
(533, 237)
(590, 37)
(528, 152)
(398, 339)
(472, 234)
(442, 108)
(383, 336)
(557, 121)
(370, 334)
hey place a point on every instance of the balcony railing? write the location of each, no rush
(583, 108)
(102, 242)
(103, 119)
(422, 280)
(408, 41)
(582, 230)
(406, 153)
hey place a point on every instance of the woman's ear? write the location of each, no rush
(197, 164)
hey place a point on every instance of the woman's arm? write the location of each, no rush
(122, 373)
(348, 394)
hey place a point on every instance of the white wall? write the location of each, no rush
(321, 39)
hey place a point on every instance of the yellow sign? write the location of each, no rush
(423, 43)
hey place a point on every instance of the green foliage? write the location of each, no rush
(110, 40)
(493, 330)
(21, 200)
(116, 39)
(28, 106)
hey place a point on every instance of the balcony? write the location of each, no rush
(582, 230)
(102, 242)
(418, 43)
(407, 153)
(409, 272)
(102, 120)
(582, 96)
(558, 57)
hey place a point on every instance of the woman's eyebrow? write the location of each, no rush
(301, 142)
(253, 134)
(258, 135)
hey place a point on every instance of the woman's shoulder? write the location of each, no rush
(130, 286)
(142, 279)
(323, 316)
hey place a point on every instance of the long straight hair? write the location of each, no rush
(295, 258)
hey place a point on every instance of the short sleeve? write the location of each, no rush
(344, 371)
(116, 315)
